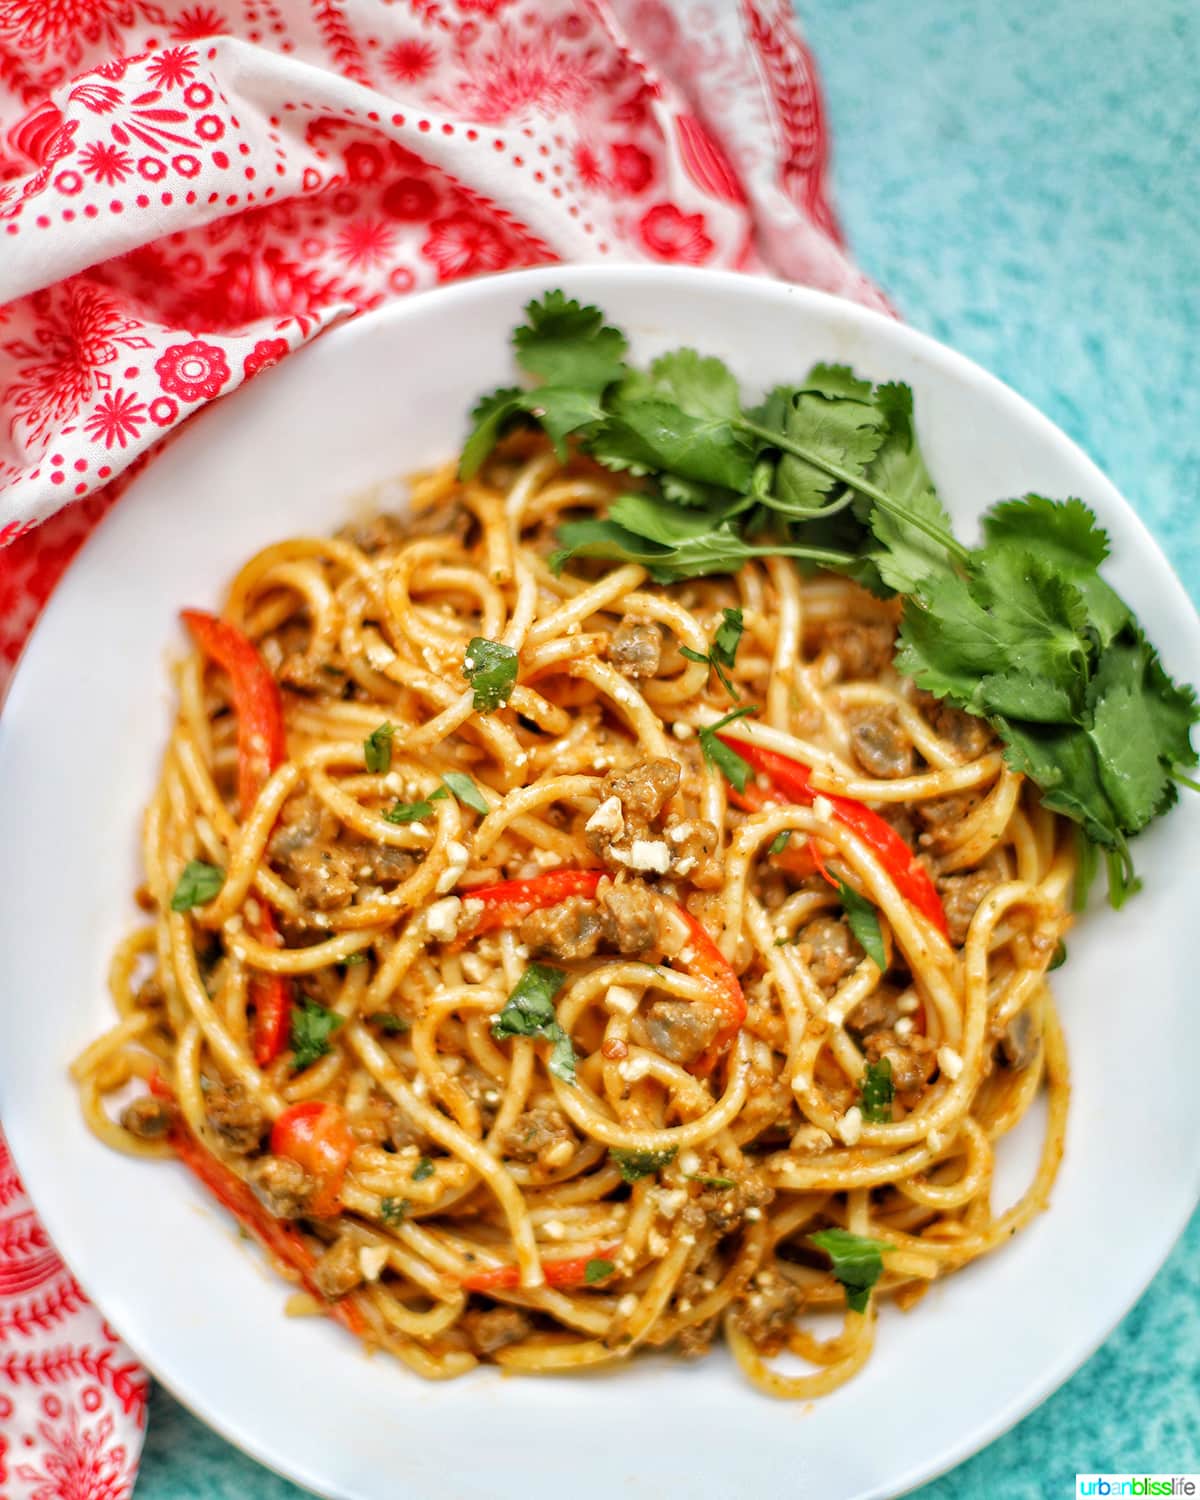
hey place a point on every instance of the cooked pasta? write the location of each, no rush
(527, 1018)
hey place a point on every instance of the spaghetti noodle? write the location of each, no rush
(523, 1015)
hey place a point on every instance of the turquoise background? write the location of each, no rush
(1023, 177)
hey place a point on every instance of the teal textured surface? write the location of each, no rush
(1024, 180)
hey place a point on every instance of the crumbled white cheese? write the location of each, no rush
(849, 1127)
(903, 1026)
(801, 1083)
(468, 663)
(657, 1244)
(365, 872)
(371, 1261)
(670, 1202)
(627, 1306)
(682, 731)
(392, 782)
(491, 1097)
(907, 1004)
(459, 858)
(950, 1062)
(752, 1214)
(689, 1163)
(609, 818)
(685, 865)
(650, 854)
(554, 1229)
(475, 969)
(441, 920)
(620, 1001)
(679, 832)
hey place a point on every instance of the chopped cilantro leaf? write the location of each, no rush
(597, 1269)
(377, 748)
(723, 651)
(491, 669)
(394, 1210)
(877, 1092)
(780, 842)
(423, 1169)
(466, 791)
(409, 812)
(312, 1026)
(198, 883)
(637, 1164)
(1060, 957)
(388, 1022)
(717, 753)
(529, 1011)
(857, 1262)
(864, 924)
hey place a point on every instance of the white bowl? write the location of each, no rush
(80, 741)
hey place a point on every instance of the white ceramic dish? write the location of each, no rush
(80, 740)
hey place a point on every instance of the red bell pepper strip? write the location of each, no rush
(568, 1273)
(317, 1135)
(262, 747)
(506, 902)
(791, 781)
(278, 1238)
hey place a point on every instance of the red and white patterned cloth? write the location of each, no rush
(190, 189)
(72, 1398)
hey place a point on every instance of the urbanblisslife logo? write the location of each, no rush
(1136, 1484)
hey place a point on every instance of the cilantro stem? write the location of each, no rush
(807, 512)
(1183, 780)
(856, 482)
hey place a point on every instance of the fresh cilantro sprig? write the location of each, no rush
(723, 651)
(529, 1011)
(1022, 630)
(857, 1262)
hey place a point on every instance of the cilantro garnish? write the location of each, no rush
(389, 1023)
(717, 753)
(864, 923)
(198, 883)
(877, 1092)
(723, 651)
(857, 1262)
(466, 791)
(491, 669)
(312, 1026)
(394, 1210)
(423, 1169)
(1022, 630)
(377, 748)
(597, 1269)
(636, 1164)
(780, 842)
(529, 1011)
(413, 812)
